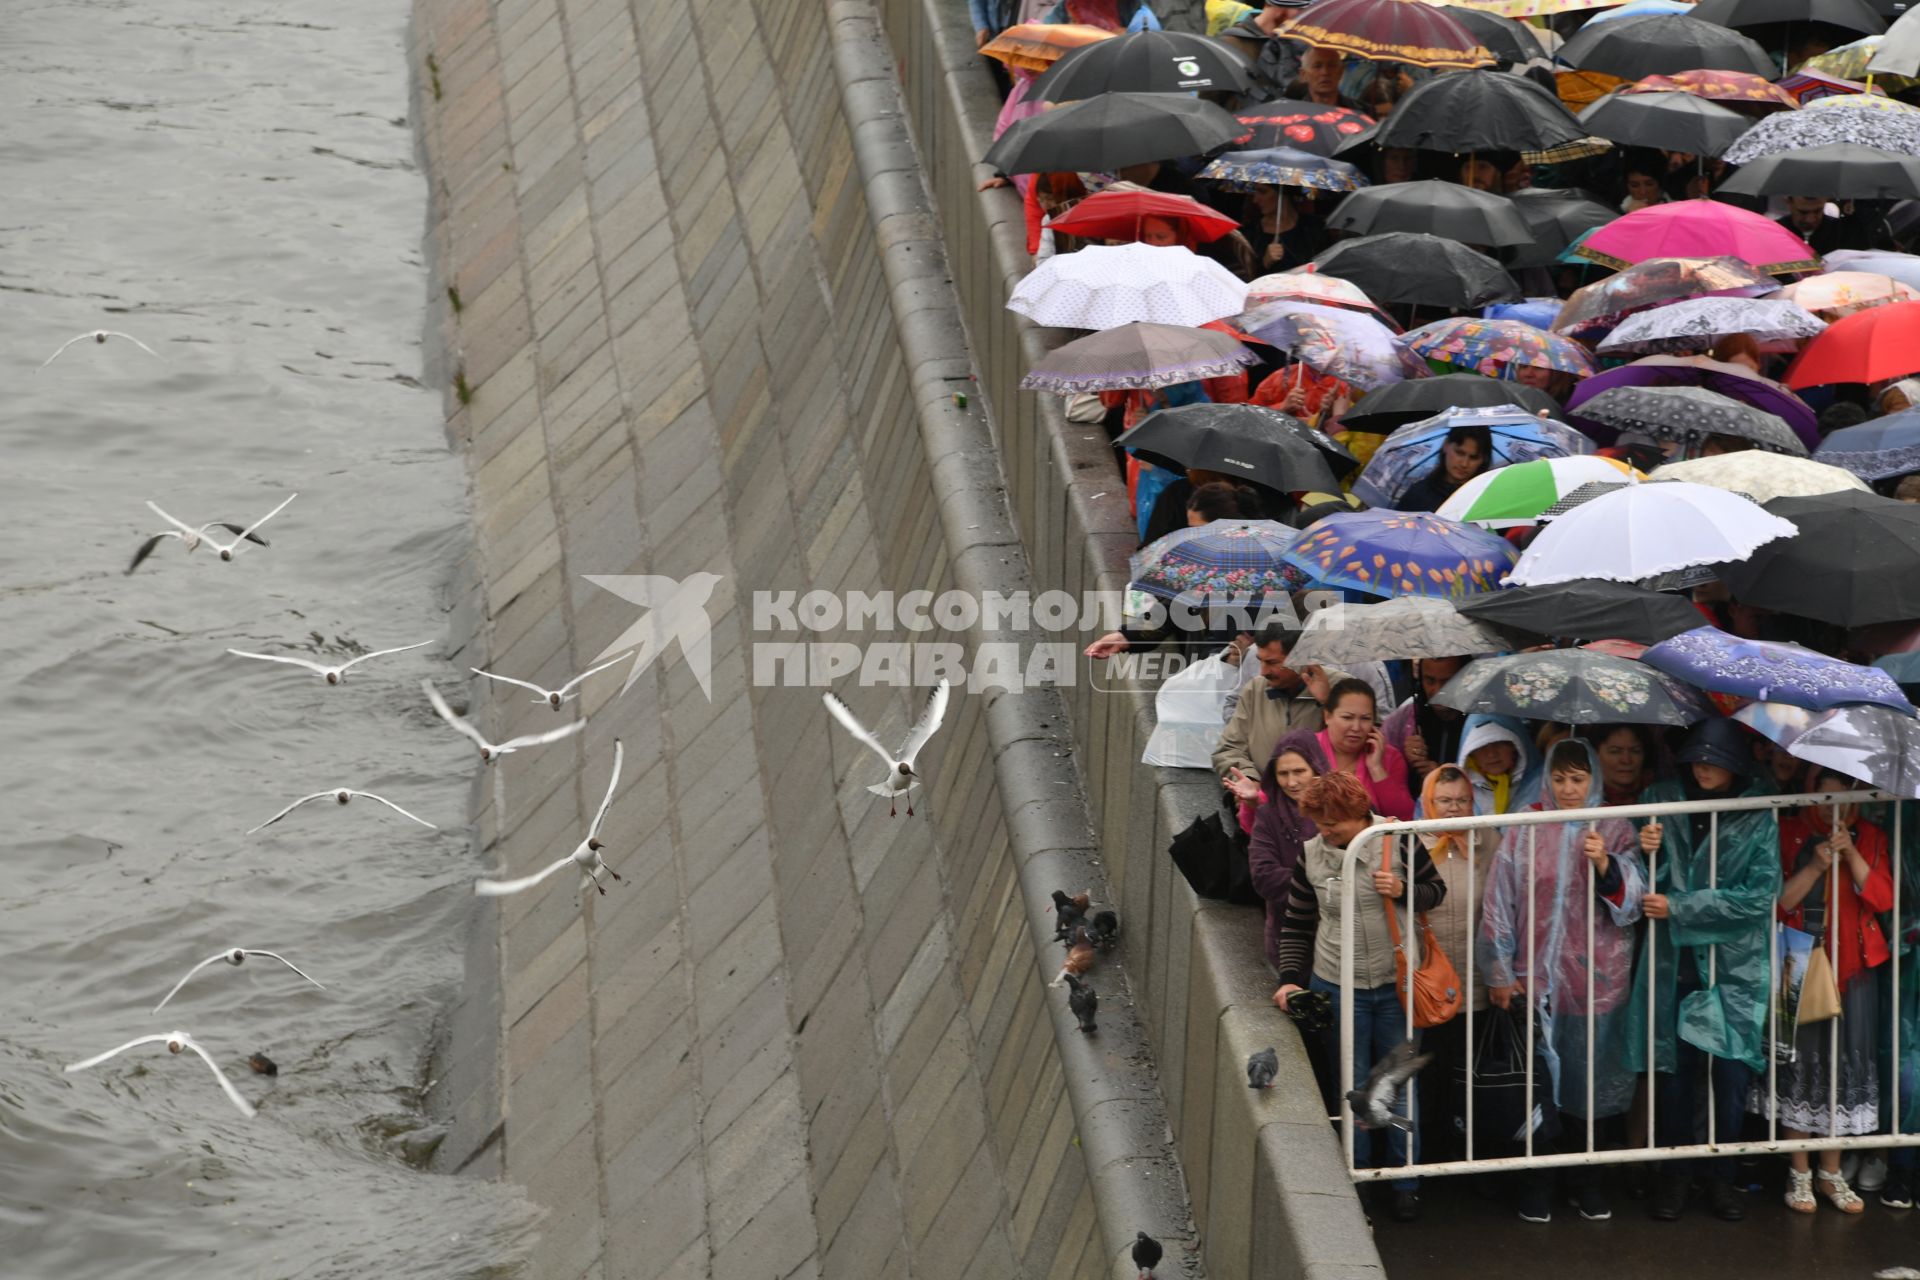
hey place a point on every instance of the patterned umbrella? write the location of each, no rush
(1238, 558)
(1853, 118)
(1644, 530)
(1697, 323)
(1514, 495)
(1690, 414)
(1302, 126)
(1412, 450)
(1392, 553)
(1117, 214)
(1349, 345)
(1304, 284)
(1762, 476)
(1572, 686)
(1282, 167)
(1532, 8)
(1136, 356)
(1735, 381)
(1586, 607)
(1489, 347)
(1401, 627)
(1105, 286)
(1657, 281)
(1740, 88)
(1701, 228)
(1809, 87)
(1408, 31)
(1035, 46)
(1849, 62)
(1833, 294)
(1771, 672)
(1879, 746)
(1877, 450)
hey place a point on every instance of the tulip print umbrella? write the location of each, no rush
(1392, 553)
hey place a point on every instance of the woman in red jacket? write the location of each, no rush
(1815, 843)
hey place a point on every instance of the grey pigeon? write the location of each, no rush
(1084, 1001)
(1104, 928)
(1373, 1101)
(1146, 1254)
(1071, 910)
(1262, 1067)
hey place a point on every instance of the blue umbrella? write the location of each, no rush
(1241, 559)
(1402, 553)
(1283, 167)
(1538, 312)
(1413, 450)
(1723, 663)
(1876, 450)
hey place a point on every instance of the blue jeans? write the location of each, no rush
(1379, 1023)
(1682, 1104)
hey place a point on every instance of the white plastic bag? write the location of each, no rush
(1188, 707)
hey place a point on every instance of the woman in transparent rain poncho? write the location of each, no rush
(1567, 858)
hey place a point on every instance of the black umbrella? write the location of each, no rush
(1843, 170)
(1404, 266)
(1662, 44)
(1468, 111)
(1671, 121)
(1398, 403)
(1587, 609)
(1143, 62)
(1437, 208)
(1690, 413)
(1263, 445)
(1505, 39)
(1573, 686)
(1112, 131)
(1851, 564)
(1851, 15)
(1557, 216)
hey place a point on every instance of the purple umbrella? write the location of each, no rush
(1723, 663)
(1734, 381)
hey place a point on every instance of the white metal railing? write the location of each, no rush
(1360, 857)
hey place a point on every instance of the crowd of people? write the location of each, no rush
(1577, 925)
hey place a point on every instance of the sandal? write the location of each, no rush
(1800, 1191)
(1834, 1187)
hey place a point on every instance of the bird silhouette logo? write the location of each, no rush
(676, 609)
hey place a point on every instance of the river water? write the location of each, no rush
(236, 185)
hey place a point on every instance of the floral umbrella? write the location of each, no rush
(1282, 167)
(1849, 62)
(1411, 451)
(1657, 281)
(1287, 122)
(1394, 553)
(1834, 294)
(1697, 323)
(1572, 686)
(1854, 118)
(1344, 344)
(1762, 476)
(1772, 672)
(1518, 494)
(1237, 558)
(1401, 627)
(1489, 347)
(1740, 88)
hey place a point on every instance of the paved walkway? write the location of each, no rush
(799, 1039)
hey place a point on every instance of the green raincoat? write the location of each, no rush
(1728, 1017)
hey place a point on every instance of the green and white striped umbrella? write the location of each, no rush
(1515, 495)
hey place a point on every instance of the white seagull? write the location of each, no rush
(901, 778)
(586, 854)
(341, 795)
(234, 956)
(175, 1042)
(331, 675)
(552, 697)
(193, 537)
(491, 751)
(100, 336)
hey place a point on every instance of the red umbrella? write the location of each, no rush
(1868, 346)
(1391, 31)
(1118, 215)
(1303, 126)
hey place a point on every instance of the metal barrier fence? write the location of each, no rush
(1361, 858)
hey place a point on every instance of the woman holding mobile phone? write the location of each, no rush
(1353, 743)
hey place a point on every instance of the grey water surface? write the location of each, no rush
(236, 185)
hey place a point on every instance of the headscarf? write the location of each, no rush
(1293, 825)
(1442, 845)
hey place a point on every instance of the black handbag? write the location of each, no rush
(1502, 1109)
(1214, 862)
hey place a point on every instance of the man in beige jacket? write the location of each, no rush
(1277, 703)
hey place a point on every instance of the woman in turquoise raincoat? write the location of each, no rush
(1710, 928)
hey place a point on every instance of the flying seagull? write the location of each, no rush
(194, 537)
(331, 675)
(235, 956)
(175, 1042)
(585, 855)
(341, 795)
(901, 778)
(101, 336)
(552, 697)
(491, 751)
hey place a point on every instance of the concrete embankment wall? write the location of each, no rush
(697, 319)
(1269, 1193)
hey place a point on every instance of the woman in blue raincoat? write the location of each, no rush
(1709, 931)
(1534, 949)
(1499, 758)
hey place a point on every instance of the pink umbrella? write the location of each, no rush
(1698, 229)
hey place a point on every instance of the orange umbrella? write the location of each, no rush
(1741, 88)
(1578, 89)
(1035, 46)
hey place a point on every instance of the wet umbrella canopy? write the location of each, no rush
(1851, 15)
(1672, 121)
(1876, 450)
(1392, 553)
(1436, 208)
(1395, 406)
(1111, 132)
(1302, 126)
(1472, 111)
(1505, 38)
(1650, 283)
(1663, 44)
(1410, 31)
(1572, 686)
(1262, 445)
(1403, 627)
(1689, 414)
(1843, 170)
(1143, 62)
(1771, 672)
(1852, 563)
(1556, 217)
(1878, 745)
(1403, 266)
(1588, 609)
(1137, 356)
